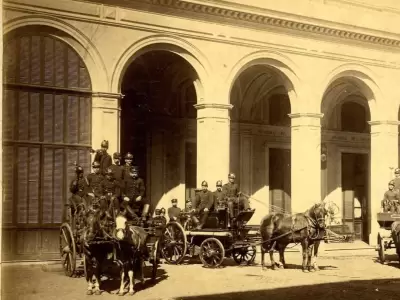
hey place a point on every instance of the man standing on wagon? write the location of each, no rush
(133, 195)
(103, 158)
(111, 192)
(94, 181)
(116, 167)
(78, 188)
(231, 191)
(202, 205)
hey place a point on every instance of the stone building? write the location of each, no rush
(300, 101)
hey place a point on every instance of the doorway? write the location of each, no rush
(190, 170)
(355, 194)
(279, 179)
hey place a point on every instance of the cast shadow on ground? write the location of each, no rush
(392, 260)
(356, 289)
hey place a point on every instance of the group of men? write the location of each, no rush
(110, 184)
(225, 196)
(391, 198)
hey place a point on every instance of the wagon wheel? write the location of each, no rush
(244, 254)
(174, 243)
(67, 249)
(212, 253)
(156, 260)
(381, 249)
(188, 225)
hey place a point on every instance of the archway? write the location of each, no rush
(260, 137)
(158, 124)
(346, 139)
(46, 117)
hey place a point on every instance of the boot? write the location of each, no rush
(203, 220)
(195, 221)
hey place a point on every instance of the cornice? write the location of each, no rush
(247, 17)
(306, 115)
(107, 95)
(213, 105)
(384, 122)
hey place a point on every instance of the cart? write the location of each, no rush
(385, 239)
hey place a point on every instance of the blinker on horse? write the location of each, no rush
(278, 230)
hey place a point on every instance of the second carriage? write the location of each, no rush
(216, 239)
(389, 234)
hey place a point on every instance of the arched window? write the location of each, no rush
(47, 126)
(353, 117)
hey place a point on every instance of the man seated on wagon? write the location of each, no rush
(117, 168)
(202, 205)
(174, 211)
(232, 193)
(396, 180)
(128, 165)
(94, 181)
(159, 219)
(78, 187)
(133, 191)
(111, 191)
(220, 200)
(390, 202)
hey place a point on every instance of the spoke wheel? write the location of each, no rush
(174, 243)
(67, 250)
(381, 249)
(188, 225)
(156, 260)
(212, 253)
(245, 254)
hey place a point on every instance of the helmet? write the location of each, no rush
(128, 156)
(78, 170)
(109, 172)
(204, 183)
(174, 200)
(397, 171)
(117, 155)
(134, 169)
(162, 210)
(219, 183)
(96, 164)
(231, 175)
(157, 211)
(391, 182)
(104, 144)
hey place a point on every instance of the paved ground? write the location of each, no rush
(341, 277)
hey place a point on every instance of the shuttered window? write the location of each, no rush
(47, 127)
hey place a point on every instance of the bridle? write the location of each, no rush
(315, 221)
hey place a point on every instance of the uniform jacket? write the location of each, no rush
(79, 187)
(118, 172)
(174, 212)
(111, 186)
(104, 159)
(396, 183)
(94, 181)
(230, 190)
(391, 195)
(133, 187)
(218, 196)
(203, 200)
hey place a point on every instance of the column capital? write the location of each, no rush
(306, 115)
(311, 120)
(383, 122)
(106, 95)
(384, 126)
(102, 100)
(213, 105)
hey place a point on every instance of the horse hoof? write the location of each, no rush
(281, 267)
(89, 293)
(120, 293)
(131, 293)
(311, 269)
(97, 293)
(305, 270)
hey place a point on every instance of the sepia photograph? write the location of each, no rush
(200, 149)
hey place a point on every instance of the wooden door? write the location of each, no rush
(190, 169)
(280, 179)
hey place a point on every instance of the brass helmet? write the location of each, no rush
(232, 175)
(104, 144)
(219, 183)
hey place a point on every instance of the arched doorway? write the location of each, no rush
(46, 117)
(260, 138)
(346, 136)
(158, 124)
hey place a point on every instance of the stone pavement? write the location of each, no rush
(342, 276)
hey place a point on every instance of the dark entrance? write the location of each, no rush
(355, 194)
(279, 179)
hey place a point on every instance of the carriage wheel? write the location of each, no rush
(67, 249)
(245, 254)
(156, 260)
(212, 253)
(188, 225)
(381, 249)
(174, 243)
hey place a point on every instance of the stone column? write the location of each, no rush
(305, 160)
(384, 157)
(213, 135)
(106, 120)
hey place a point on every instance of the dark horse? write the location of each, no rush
(96, 253)
(132, 250)
(278, 230)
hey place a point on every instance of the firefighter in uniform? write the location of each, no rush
(220, 200)
(202, 205)
(94, 181)
(78, 187)
(397, 180)
(116, 167)
(103, 157)
(174, 211)
(111, 192)
(232, 193)
(133, 195)
(390, 202)
(128, 165)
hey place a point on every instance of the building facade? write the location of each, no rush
(300, 101)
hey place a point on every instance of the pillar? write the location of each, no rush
(106, 120)
(213, 135)
(305, 160)
(384, 157)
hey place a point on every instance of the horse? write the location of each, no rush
(278, 230)
(95, 254)
(132, 250)
(395, 233)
